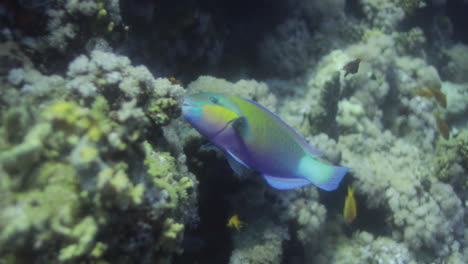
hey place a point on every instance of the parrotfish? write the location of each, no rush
(257, 139)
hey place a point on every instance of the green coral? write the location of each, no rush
(77, 185)
(20, 157)
(451, 161)
(84, 234)
(70, 178)
(70, 118)
(161, 166)
(162, 110)
(46, 208)
(117, 188)
(171, 234)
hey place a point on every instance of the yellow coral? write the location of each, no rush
(171, 234)
(117, 183)
(162, 167)
(88, 154)
(68, 116)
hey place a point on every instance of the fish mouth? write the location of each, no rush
(187, 102)
(189, 108)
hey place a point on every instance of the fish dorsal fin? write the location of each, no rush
(313, 151)
(281, 183)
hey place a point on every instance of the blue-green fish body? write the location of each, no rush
(258, 139)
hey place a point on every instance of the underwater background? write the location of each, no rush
(98, 166)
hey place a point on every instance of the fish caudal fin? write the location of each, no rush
(285, 183)
(333, 179)
(322, 175)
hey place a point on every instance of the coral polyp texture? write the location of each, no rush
(97, 165)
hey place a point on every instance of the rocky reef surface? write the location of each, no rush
(97, 166)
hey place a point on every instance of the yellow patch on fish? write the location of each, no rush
(235, 222)
(350, 210)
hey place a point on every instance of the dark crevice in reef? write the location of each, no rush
(445, 23)
(457, 11)
(392, 105)
(372, 220)
(209, 241)
(293, 249)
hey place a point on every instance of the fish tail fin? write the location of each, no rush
(322, 175)
(331, 181)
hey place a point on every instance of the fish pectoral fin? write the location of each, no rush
(209, 147)
(281, 183)
(241, 126)
(238, 166)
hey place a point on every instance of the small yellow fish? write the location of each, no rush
(442, 126)
(439, 96)
(350, 210)
(235, 222)
(433, 92)
(173, 80)
(427, 93)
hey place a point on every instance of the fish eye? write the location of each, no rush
(214, 100)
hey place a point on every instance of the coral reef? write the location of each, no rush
(364, 248)
(97, 167)
(80, 158)
(382, 14)
(261, 242)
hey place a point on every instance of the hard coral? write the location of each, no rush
(451, 161)
(78, 162)
(103, 72)
(161, 166)
(260, 242)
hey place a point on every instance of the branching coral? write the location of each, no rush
(451, 162)
(309, 215)
(364, 248)
(382, 14)
(103, 72)
(78, 161)
(393, 175)
(260, 243)
(162, 168)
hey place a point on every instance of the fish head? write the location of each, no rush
(208, 113)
